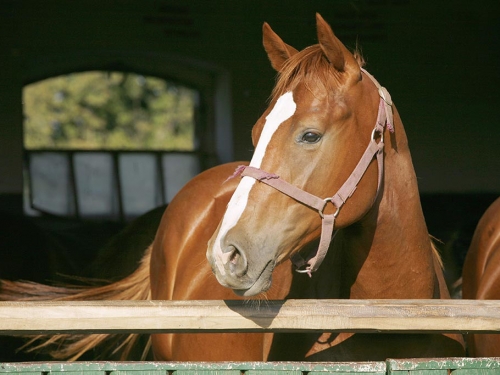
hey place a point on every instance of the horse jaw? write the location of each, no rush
(228, 260)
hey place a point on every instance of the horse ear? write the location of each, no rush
(277, 50)
(335, 51)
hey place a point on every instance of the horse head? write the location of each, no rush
(311, 138)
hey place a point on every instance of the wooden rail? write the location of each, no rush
(398, 316)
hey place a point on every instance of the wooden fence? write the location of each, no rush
(251, 316)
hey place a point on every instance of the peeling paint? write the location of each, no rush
(485, 366)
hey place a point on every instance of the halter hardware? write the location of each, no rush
(376, 131)
(328, 200)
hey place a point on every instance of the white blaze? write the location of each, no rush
(282, 111)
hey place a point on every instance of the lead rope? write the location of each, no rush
(313, 261)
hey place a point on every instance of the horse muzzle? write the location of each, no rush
(231, 267)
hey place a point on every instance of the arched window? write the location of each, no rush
(108, 144)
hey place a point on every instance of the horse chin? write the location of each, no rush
(255, 289)
(261, 284)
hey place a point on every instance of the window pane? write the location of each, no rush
(141, 189)
(51, 182)
(95, 185)
(178, 169)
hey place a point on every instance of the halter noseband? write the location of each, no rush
(384, 117)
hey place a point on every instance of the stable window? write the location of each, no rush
(109, 145)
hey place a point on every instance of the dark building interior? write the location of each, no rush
(439, 60)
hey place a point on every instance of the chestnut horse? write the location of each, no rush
(481, 276)
(326, 115)
(320, 162)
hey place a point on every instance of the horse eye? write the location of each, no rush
(311, 137)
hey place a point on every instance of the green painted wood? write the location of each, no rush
(349, 368)
(158, 371)
(191, 368)
(457, 366)
(213, 371)
(273, 372)
(423, 372)
(454, 366)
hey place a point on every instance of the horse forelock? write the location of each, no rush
(306, 66)
(310, 67)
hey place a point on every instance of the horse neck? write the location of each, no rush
(388, 254)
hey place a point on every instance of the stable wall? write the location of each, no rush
(439, 60)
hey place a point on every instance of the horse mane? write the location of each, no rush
(309, 66)
(69, 346)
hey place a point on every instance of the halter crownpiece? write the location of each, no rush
(386, 98)
(313, 261)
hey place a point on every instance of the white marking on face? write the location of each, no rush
(283, 109)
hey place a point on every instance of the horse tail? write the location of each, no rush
(436, 255)
(72, 347)
(445, 290)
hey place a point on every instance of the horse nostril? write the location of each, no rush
(236, 261)
(234, 257)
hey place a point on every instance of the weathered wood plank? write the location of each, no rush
(176, 368)
(436, 366)
(250, 316)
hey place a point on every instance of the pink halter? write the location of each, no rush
(313, 261)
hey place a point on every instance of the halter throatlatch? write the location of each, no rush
(375, 149)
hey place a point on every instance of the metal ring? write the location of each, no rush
(302, 270)
(381, 132)
(326, 200)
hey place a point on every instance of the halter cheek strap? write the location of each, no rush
(311, 264)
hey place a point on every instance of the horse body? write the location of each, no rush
(481, 275)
